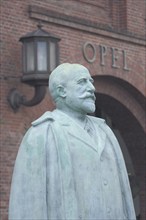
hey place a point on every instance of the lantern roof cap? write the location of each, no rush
(39, 33)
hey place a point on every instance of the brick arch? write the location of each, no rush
(124, 93)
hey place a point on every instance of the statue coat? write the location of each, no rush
(65, 172)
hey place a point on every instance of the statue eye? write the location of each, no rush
(91, 80)
(82, 81)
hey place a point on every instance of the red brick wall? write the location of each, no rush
(136, 20)
(119, 14)
(15, 22)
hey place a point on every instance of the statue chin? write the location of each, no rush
(89, 107)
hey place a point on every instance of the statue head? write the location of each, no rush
(71, 88)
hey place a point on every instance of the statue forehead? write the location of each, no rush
(76, 71)
(67, 72)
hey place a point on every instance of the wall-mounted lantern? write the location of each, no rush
(40, 54)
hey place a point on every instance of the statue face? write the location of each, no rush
(80, 92)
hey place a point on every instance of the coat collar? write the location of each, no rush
(96, 142)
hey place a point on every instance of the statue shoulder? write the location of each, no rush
(39, 126)
(38, 129)
(46, 117)
(102, 124)
(105, 128)
(99, 121)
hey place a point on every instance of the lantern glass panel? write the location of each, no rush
(30, 57)
(24, 57)
(42, 56)
(52, 55)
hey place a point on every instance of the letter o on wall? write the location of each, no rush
(89, 48)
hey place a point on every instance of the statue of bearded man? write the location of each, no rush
(69, 165)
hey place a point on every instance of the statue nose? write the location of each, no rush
(91, 87)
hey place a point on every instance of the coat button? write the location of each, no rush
(108, 210)
(105, 182)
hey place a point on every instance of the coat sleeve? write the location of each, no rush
(123, 175)
(28, 188)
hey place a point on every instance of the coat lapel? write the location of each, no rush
(96, 142)
(83, 136)
(74, 129)
(99, 134)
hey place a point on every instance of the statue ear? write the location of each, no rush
(61, 91)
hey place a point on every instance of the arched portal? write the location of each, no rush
(122, 106)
